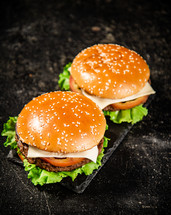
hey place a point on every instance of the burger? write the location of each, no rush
(58, 134)
(116, 78)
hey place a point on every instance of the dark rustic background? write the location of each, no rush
(37, 39)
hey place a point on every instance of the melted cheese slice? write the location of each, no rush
(90, 154)
(103, 102)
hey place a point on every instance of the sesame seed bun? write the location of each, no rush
(63, 122)
(110, 71)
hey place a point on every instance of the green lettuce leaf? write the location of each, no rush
(132, 115)
(63, 81)
(40, 176)
(9, 132)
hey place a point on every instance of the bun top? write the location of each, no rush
(62, 122)
(110, 71)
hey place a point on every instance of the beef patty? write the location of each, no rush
(47, 166)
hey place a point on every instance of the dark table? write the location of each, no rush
(37, 39)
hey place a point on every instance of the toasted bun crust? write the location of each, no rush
(61, 122)
(110, 71)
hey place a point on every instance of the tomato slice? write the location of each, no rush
(73, 86)
(129, 104)
(62, 161)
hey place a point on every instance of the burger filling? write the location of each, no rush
(54, 164)
(112, 107)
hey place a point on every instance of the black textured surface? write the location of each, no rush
(37, 39)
